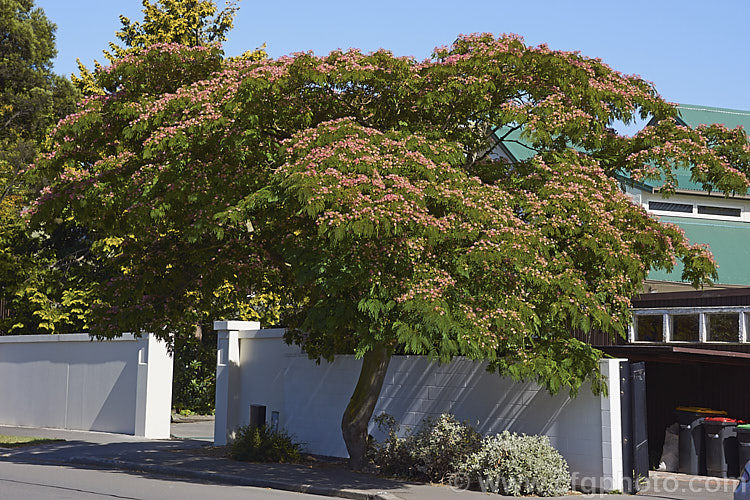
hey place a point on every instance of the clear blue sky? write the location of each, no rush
(695, 52)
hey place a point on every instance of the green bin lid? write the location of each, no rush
(744, 427)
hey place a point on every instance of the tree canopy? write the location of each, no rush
(365, 184)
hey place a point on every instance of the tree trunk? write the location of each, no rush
(359, 410)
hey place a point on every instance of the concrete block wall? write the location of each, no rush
(73, 382)
(310, 400)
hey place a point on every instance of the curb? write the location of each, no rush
(176, 418)
(215, 477)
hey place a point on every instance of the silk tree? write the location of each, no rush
(361, 186)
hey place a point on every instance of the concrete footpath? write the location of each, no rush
(189, 455)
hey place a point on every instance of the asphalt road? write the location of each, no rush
(43, 482)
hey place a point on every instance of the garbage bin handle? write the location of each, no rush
(744, 444)
(685, 427)
(715, 436)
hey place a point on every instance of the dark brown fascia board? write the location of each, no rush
(661, 353)
(696, 294)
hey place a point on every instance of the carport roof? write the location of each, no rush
(663, 353)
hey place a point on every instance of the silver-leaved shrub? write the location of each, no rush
(512, 464)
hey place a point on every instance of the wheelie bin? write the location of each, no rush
(692, 453)
(722, 458)
(743, 441)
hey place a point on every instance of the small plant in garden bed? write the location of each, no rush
(264, 444)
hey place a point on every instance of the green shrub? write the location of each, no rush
(263, 444)
(433, 453)
(510, 464)
(194, 380)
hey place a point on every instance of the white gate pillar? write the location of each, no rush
(154, 388)
(228, 378)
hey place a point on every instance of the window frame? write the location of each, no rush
(667, 315)
(744, 215)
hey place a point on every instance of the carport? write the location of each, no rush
(706, 376)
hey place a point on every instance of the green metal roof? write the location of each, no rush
(729, 242)
(693, 116)
(689, 115)
(513, 143)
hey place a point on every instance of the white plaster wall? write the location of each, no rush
(311, 399)
(71, 382)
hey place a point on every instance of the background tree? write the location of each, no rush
(363, 183)
(50, 274)
(190, 23)
(31, 96)
(32, 99)
(165, 23)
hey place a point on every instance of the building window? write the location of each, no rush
(710, 324)
(722, 211)
(682, 208)
(670, 207)
(685, 328)
(649, 328)
(722, 327)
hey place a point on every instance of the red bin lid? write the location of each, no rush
(722, 419)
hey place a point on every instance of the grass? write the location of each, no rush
(18, 441)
